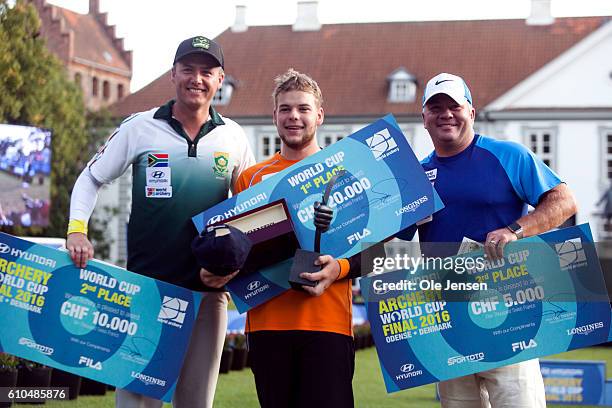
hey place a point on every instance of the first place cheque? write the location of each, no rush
(383, 190)
(101, 322)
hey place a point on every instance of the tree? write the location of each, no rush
(36, 91)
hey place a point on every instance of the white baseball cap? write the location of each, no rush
(449, 84)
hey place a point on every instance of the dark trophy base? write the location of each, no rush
(303, 261)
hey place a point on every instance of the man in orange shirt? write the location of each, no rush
(301, 343)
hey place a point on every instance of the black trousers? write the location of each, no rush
(295, 369)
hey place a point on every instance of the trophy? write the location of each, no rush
(303, 261)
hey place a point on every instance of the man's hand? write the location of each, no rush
(323, 216)
(496, 241)
(326, 276)
(80, 249)
(214, 281)
(554, 207)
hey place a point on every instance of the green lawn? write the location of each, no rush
(238, 390)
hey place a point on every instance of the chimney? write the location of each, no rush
(240, 25)
(94, 6)
(540, 13)
(307, 19)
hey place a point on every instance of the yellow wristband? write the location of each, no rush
(77, 226)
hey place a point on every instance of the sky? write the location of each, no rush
(152, 29)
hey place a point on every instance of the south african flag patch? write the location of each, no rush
(157, 160)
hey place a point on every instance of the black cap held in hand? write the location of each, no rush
(221, 249)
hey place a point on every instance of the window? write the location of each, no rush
(402, 86)
(330, 134)
(402, 91)
(224, 94)
(408, 131)
(606, 153)
(218, 98)
(78, 78)
(106, 90)
(328, 138)
(542, 143)
(119, 91)
(270, 144)
(94, 86)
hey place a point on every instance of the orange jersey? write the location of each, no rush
(296, 310)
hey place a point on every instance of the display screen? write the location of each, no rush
(25, 170)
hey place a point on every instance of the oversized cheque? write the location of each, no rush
(383, 191)
(102, 322)
(545, 297)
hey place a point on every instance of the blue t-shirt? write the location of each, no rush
(485, 187)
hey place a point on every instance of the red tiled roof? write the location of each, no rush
(91, 42)
(352, 61)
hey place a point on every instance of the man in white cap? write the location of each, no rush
(486, 185)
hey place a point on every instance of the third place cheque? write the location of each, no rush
(546, 296)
